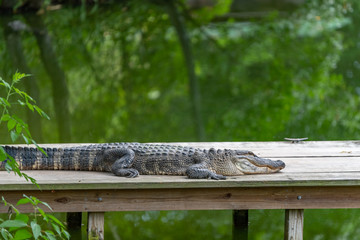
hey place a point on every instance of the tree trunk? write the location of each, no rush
(190, 66)
(56, 74)
(12, 32)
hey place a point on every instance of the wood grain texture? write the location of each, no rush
(192, 199)
(96, 226)
(324, 174)
(294, 224)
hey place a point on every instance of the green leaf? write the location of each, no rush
(22, 234)
(18, 91)
(36, 200)
(36, 229)
(38, 147)
(29, 199)
(55, 220)
(14, 136)
(19, 120)
(5, 117)
(7, 85)
(8, 167)
(26, 139)
(50, 235)
(11, 124)
(56, 228)
(4, 102)
(23, 201)
(41, 112)
(65, 233)
(12, 223)
(3, 154)
(22, 217)
(5, 234)
(30, 106)
(19, 128)
(21, 102)
(18, 76)
(47, 205)
(45, 216)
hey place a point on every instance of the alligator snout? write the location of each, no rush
(278, 164)
(252, 164)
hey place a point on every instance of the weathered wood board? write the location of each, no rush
(294, 224)
(323, 174)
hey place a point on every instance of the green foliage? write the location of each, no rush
(169, 225)
(295, 75)
(39, 225)
(21, 226)
(126, 73)
(15, 125)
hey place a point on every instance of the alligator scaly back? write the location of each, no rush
(132, 159)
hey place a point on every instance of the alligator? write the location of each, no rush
(131, 159)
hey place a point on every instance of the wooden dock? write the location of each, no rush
(317, 175)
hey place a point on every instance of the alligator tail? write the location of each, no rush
(71, 158)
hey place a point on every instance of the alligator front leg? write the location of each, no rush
(199, 171)
(121, 160)
(201, 168)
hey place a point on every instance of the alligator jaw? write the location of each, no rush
(253, 165)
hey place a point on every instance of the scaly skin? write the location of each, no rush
(132, 159)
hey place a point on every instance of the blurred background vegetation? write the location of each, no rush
(190, 70)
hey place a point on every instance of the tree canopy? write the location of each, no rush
(116, 71)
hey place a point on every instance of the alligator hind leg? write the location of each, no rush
(120, 160)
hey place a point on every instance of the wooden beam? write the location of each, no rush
(240, 224)
(96, 226)
(192, 199)
(294, 224)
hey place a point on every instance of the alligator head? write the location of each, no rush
(233, 162)
(248, 164)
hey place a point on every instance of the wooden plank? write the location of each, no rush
(96, 226)
(288, 149)
(271, 149)
(294, 224)
(192, 199)
(240, 224)
(151, 182)
(298, 172)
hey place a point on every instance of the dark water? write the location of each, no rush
(148, 73)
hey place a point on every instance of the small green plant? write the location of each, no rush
(15, 125)
(23, 226)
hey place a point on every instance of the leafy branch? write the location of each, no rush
(15, 125)
(23, 227)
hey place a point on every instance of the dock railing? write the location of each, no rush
(318, 175)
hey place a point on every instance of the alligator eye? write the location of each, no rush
(244, 165)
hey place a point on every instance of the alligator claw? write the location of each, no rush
(126, 172)
(132, 173)
(217, 177)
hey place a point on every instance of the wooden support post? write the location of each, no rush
(96, 226)
(294, 224)
(240, 224)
